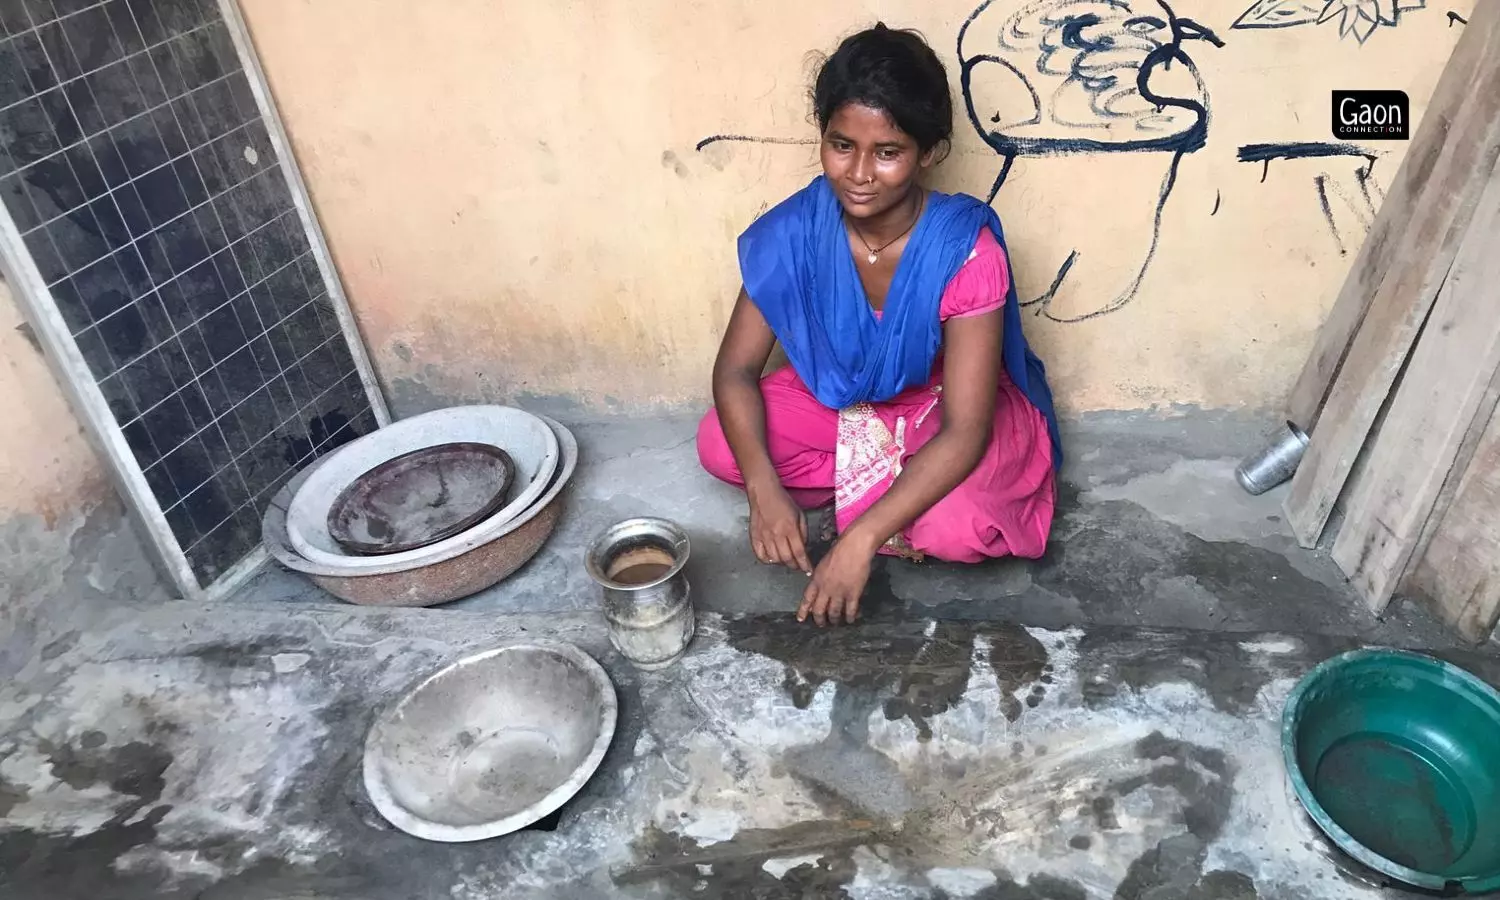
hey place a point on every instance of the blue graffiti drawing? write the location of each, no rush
(1354, 18)
(1058, 78)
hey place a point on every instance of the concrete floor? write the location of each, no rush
(1152, 531)
(1098, 724)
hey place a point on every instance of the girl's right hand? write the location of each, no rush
(778, 528)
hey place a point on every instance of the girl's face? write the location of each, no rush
(871, 164)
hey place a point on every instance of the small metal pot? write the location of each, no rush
(1275, 462)
(647, 600)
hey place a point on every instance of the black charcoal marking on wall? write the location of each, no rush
(1321, 183)
(1266, 153)
(1051, 78)
(1301, 150)
(750, 139)
(1348, 198)
(1353, 19)
(1347, 212)
(136, 165)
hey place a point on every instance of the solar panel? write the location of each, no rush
(164, 244)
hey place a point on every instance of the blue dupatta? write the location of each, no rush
(799, 271)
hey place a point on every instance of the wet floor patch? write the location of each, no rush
(913, 668)
(943, 759)
(1114, 562)
(1231, 670)
(64, 863)
(1072, 790)
(1204, 778)
(59, 864)
(809, 859)
(819, 860)
(135, 768)
(1115, 557)
(955, 833)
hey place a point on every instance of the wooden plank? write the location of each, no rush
(1466, 453)
(1458, 575)
(1390, 240)
(1422, 236)
(1442, 391)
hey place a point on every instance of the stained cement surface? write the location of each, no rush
(55, 574)
(1101, 723)
(1152, 529)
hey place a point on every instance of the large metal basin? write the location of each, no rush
(491, 743)
(454, 575)
(527, 438)
(1396, 757)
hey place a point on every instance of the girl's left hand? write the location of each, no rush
(833, 595)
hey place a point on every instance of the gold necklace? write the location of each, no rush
(875, 251)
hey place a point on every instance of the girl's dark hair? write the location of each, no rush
(892, 70)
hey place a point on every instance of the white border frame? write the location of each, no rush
(40, 308)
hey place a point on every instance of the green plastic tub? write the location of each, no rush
(1396, 756)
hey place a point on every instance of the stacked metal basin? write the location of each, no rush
(545, 452)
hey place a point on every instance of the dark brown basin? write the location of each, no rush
(421, 497)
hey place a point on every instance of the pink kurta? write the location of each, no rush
(852, 456)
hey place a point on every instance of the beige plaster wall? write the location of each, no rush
(515, 202)
(47, 466)
(66, 546)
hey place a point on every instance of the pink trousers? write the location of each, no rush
(1003, 508)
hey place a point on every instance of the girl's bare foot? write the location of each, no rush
(824, 524)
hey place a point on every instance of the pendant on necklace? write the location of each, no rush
(872, 257)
